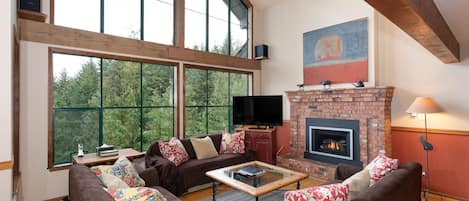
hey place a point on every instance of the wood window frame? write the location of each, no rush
(182, 98)
(52, 50)
(179, 22)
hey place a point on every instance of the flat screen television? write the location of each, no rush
(258, 110)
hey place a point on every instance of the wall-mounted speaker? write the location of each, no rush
(31, 5)
(261, 52)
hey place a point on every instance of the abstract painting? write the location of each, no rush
(337, 53)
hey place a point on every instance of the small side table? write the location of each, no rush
(93, 159)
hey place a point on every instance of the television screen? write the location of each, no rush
(257, 110)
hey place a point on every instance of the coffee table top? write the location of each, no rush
(274, 178)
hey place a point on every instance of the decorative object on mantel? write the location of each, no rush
(425, 105)
(358, 84)
(326, 84)
(301, 87)
(338, 53)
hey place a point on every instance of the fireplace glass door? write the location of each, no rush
(332, 142)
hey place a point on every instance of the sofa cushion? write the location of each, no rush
(380, 166)
(136, 194)
(113, 182)
(332, 192)
(204, 148)
(216, 139)
(174, 151)
(232, 143)
(358, 183)
(123, 169)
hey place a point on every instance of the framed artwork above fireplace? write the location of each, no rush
(338, 53)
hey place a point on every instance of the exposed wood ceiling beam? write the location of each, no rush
(58, 35)
(422, 20)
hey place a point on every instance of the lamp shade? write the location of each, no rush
(424, 105)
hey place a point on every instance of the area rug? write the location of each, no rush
(235, 195)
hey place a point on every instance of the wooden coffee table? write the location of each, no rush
(274, 178)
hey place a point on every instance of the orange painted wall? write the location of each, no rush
(449, 161)
(283, 138)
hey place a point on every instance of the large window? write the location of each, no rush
(149, 20)
(218, 26)
(208, 99)
(104, 101)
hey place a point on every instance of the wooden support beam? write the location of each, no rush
(58, 35)
(422, 20)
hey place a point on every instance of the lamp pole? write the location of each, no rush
(427, 168)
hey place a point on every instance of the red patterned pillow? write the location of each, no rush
(380, 166)
(174, 151)
(232, 143)
(332, 192)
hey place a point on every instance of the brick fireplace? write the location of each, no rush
(369, 107)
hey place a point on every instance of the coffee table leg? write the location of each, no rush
(214, 190)
(298, 185)
(257, 198)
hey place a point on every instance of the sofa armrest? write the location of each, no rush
(401, 184)
(345, 171)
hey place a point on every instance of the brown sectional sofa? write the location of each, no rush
(403, 184)
(191, 173)
(84, 185)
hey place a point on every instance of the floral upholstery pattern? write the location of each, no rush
(174, 151)
(332, 192)
(122, 169)
(380, 166)
(136, 194)
(232, 143)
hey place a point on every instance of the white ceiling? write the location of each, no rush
(455, 12)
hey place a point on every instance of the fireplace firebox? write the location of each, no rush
(333, 141)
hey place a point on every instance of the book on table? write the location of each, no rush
(251, 171)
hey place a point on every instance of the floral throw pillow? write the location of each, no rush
(332, 192)
(123, 169)
(232, 143)
(136, 194)
(380, 166)
(174, 151)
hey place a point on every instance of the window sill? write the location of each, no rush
(30, 15)
(60, 167)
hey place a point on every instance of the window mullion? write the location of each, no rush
(229, 101)
(101, 106)
(141, 106)
(101, 28)
(142, 18)
(207, 15)
(206, 101)
(229, 28)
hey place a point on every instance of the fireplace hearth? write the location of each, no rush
(333, 141)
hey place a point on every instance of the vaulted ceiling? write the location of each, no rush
(456, 14)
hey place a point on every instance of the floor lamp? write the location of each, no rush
(425, 105)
